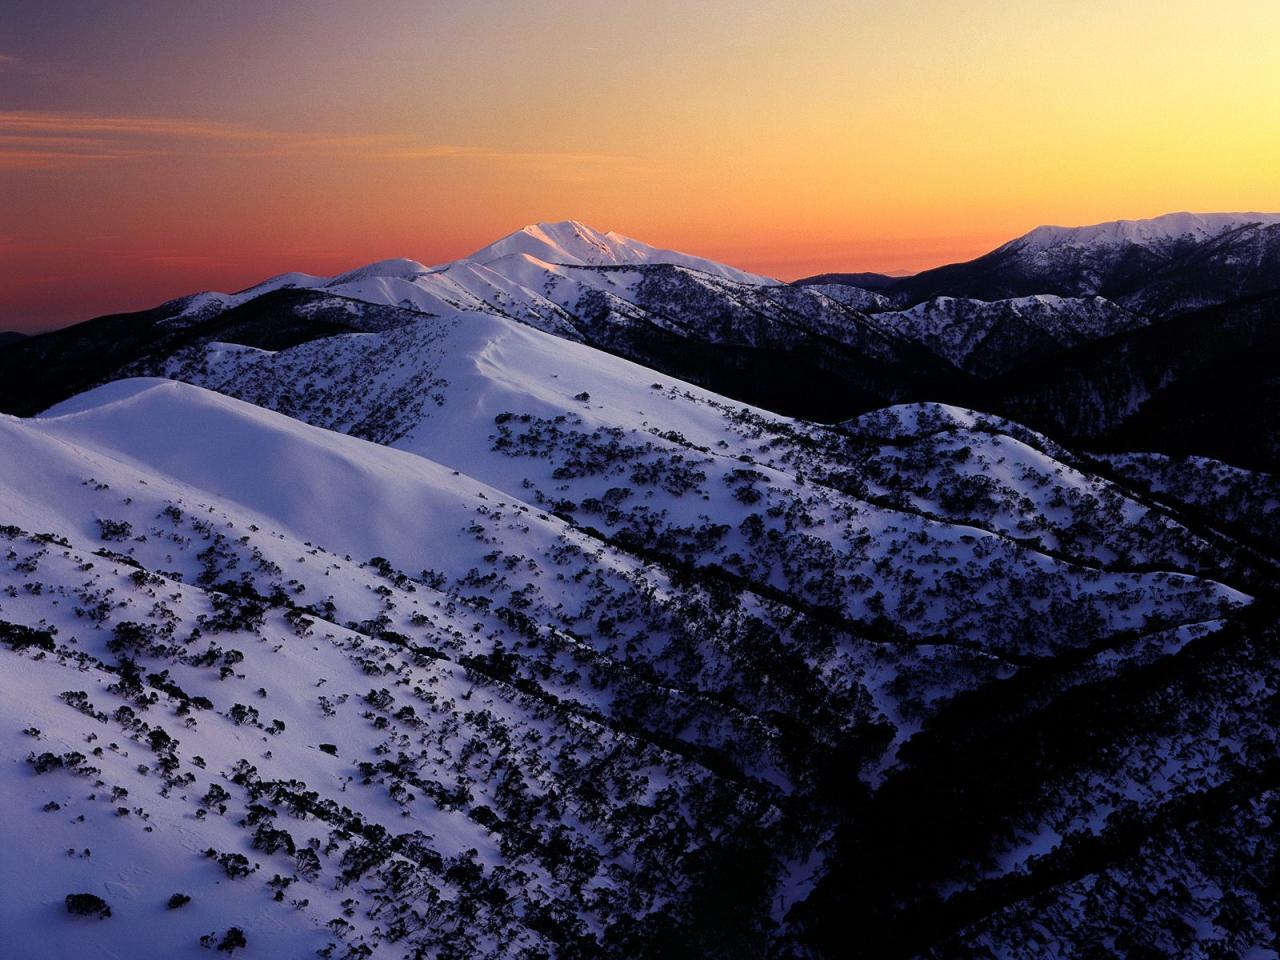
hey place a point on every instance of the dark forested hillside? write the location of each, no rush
(1205, 383)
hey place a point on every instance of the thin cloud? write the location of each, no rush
(33, 140)
(78, 124)
(44, 140)
(450, 152)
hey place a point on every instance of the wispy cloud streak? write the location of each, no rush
(45, 140)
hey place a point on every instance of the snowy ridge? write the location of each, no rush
(436, 631)
(1159, 267)
(199, 306)
(990, 337)
(1196, 227)
(437, 388)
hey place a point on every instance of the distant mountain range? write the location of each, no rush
(996, 332)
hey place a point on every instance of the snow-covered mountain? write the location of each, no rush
(585, 647)
(1167, 230)
(1160, 267)
(389, 615)
(573, 243)
(518, 268)
(731, 330)
(572, 280)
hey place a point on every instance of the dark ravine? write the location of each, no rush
(1204, 383)
(985, 760)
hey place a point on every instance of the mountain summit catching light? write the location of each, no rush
(572, 242)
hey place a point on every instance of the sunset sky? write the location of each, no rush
(149, 149)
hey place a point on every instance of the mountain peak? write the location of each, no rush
(574, 243)
(559, 227)
(564, 242)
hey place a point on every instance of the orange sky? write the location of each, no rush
(152, 149)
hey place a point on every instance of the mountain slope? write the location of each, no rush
(988, 338)
(1247, 503)
(455, 812)
(628, 732)
(488, 396)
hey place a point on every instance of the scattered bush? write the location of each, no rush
(115, 529)
(20, 637)
(233, 940)
(87, 905)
